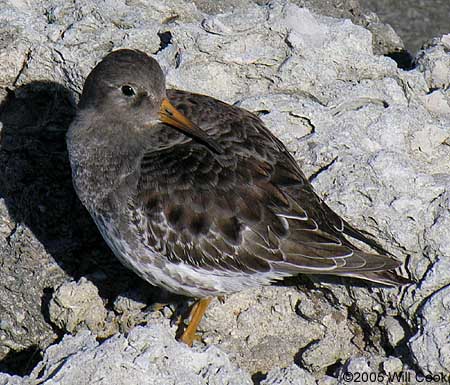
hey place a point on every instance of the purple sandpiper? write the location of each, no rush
(197, 196)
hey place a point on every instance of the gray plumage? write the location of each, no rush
(201, 215)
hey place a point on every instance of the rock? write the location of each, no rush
(292, 375)
(385, 40)
(413, 21)
(433, 60)
(7, 224)
(394, 330)
(291, 323)
(77, 305)
(327, 380)
(430, 346)
(147, 355)
(373, 369)
(392, 365)
(26, 276)
(355, 367)
(373, 139)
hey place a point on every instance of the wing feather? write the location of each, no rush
(249, 210)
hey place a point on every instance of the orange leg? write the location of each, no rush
(197, 312)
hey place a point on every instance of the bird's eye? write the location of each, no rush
(128, 90)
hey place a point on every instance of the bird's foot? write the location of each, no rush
(189, 335)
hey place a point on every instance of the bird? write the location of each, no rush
(197, 196)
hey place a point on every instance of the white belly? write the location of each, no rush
(179, 278)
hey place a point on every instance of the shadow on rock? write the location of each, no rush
(35, 182)
(51, 236)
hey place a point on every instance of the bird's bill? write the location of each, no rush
(171, 116)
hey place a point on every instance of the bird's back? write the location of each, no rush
(249, 211)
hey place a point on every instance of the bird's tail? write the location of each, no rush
(387, 277)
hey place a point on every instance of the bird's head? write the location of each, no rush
(128, 86)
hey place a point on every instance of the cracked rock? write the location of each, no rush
(394, 330)
(77, 305)
(430, 346)
(292, 375)
(323, 336)
(147, 355)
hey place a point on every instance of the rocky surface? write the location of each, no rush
(416, 21)
(373, 138)
(384, 38)
(144, 356)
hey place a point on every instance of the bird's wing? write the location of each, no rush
(250, 209)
